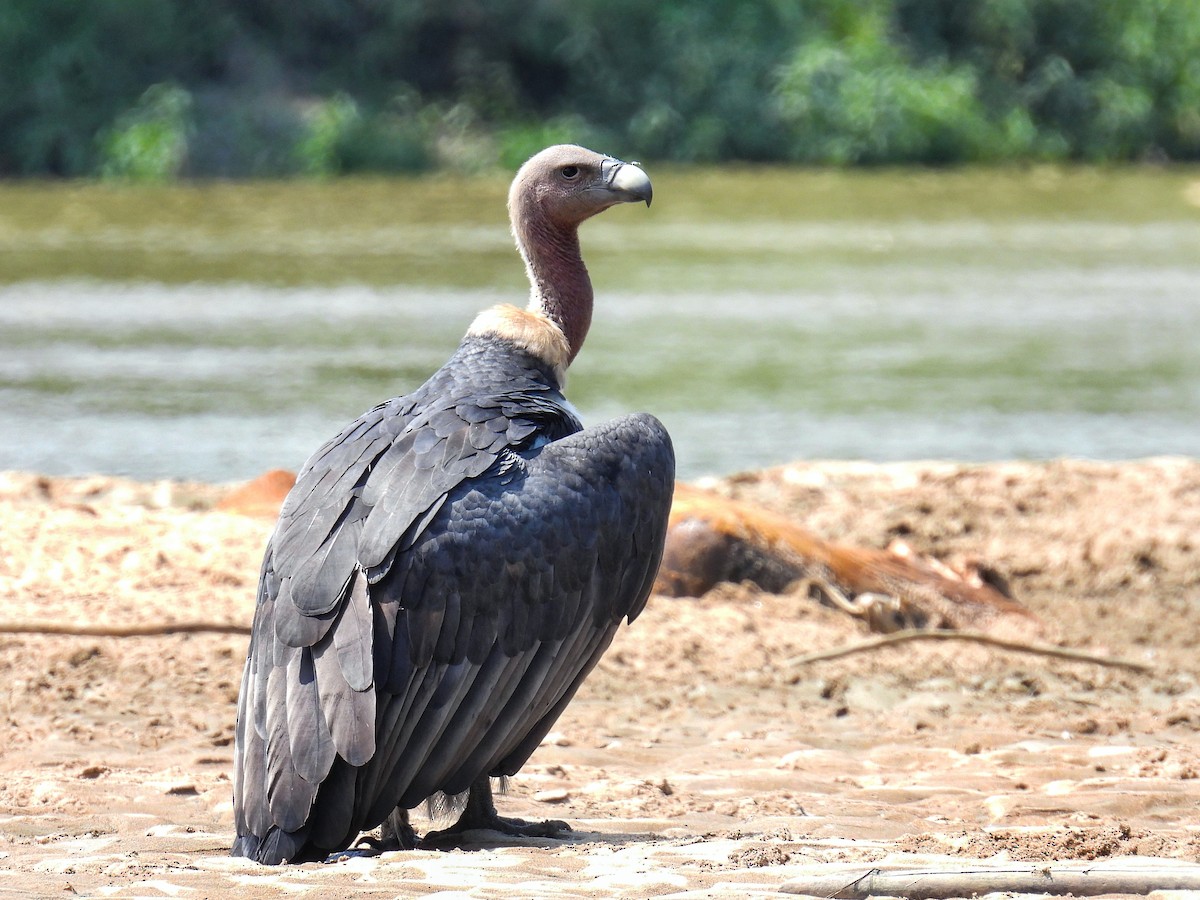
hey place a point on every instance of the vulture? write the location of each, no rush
(448, 569)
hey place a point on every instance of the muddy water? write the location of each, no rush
(213, 331)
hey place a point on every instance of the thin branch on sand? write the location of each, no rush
(915, 634)
(153, 629)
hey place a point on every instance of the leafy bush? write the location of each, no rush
(329, 86)
(1096, 79)
(385, 142)
(328, 124)
(70, 70)
(860, 100)
(149, 142)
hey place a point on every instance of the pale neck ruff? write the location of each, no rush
(535, 333)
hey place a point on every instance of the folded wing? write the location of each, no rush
(479, 559)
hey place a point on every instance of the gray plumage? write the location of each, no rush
(442, 577)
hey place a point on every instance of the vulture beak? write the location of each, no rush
(625, 182)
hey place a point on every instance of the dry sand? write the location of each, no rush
(695, 762)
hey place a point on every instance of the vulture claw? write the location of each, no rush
(480, 815)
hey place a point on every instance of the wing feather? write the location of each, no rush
(350, 714)
(428, 729)
(461, 719)
(260, 664)
(495, 740)
(319, 584)
(520, 753)
(333, 812)
(281, 846)
(311, 743)
(292, 627)
(485, 733)
(352, 638)
(401, 719)
(288, 795)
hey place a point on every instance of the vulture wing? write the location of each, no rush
(444, 574)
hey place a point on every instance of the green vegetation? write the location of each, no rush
(152, 89)
(148, 143)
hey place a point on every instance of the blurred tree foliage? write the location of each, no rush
(155, 88)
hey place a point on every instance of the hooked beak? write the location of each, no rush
(625, 182)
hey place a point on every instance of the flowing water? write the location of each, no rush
(215, 331)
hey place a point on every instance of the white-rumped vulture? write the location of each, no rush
(450, 567)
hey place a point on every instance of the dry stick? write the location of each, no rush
(152, 630)
(1040, 878)
(978, 637)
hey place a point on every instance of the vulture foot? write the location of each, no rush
(480, 815)
(394, 834)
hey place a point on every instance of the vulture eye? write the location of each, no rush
(570, 172)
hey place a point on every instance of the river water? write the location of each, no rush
(214, 331)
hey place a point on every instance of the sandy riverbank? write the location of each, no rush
(695, 761)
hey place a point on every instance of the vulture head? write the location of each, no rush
(552, 193)
(565, 184)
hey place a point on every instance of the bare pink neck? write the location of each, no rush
(561, 288)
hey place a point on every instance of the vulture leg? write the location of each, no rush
(394, 834)
(480, 815)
